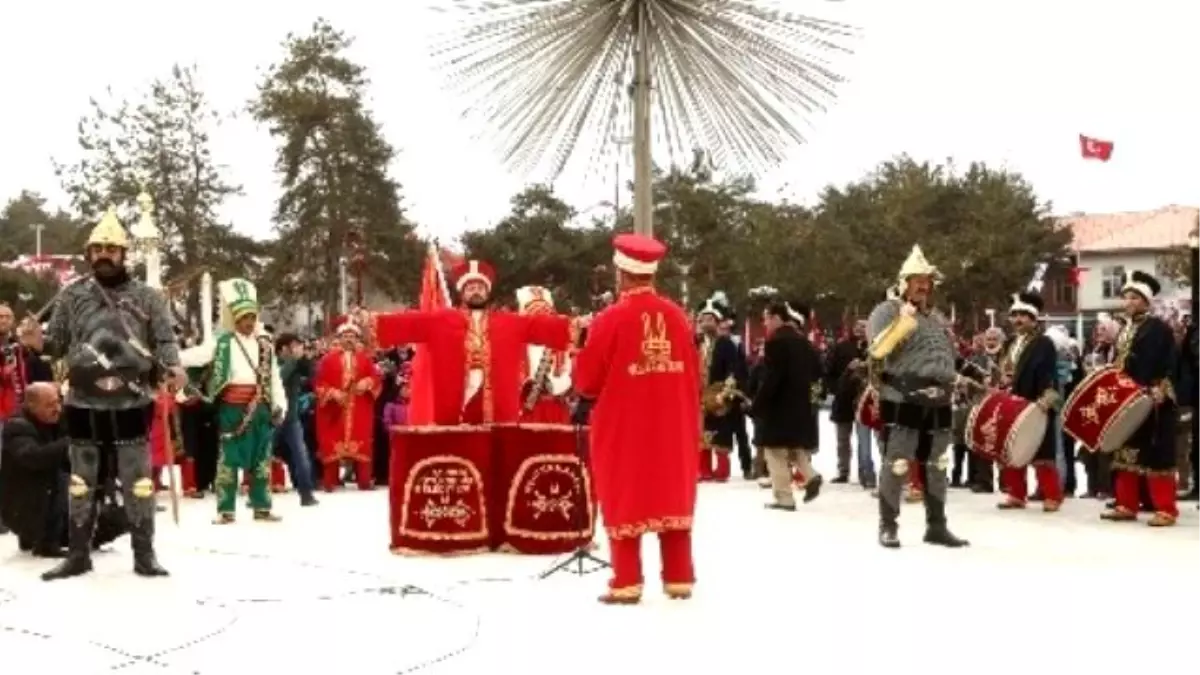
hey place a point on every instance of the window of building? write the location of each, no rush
(1062, 294)
(1111, 279)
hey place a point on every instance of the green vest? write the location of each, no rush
(221, 366)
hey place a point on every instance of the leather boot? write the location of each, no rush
(936, 532)
(889, 536)
(79, 550)
(145, 564)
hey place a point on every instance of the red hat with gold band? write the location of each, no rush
(473, 270)
(637, 253)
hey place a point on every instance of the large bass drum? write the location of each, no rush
(1106, 409)
(1006, 428)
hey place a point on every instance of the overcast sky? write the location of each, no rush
(1011, 82)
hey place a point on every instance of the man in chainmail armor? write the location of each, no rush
(913, 360)
(115, 334)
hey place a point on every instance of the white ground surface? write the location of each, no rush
(783, 591)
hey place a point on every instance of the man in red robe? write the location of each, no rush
(638, 373)
(548, 371)
(476, 352)
(347, 383)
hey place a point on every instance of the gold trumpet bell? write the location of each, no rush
(713, 400)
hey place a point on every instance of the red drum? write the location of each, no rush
(543, 503)
(1006, 428)
(1106, 409)
(867, 413)
(438, 489)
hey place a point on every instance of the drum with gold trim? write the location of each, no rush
(1006, 428)
(542, 501)
(1106, 409)
(441, 479)
(867, 412)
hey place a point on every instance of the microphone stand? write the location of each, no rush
(582, 561)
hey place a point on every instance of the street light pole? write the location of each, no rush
(37, 239)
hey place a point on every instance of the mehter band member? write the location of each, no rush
(476, 351)
(114, 332)
(244, 380)
(347, 384)
(719, 358)
(548, 371)
(638, 374)
(784, 423)
(1146, 352)
(917, 376)
(1030, 368)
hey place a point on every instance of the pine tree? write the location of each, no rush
(338, 200)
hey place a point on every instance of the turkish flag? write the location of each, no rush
(434, 296)
(1094, 148)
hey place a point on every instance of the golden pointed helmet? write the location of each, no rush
(916, 266)
(109, 231)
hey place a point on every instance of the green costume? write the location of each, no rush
(247, 429)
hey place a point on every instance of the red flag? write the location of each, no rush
(434, 296)
(1094, 148)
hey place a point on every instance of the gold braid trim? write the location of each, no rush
(668, 524)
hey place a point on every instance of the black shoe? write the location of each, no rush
(776, 506)
(145, 564)
(4, 529)
(936, 532)
(46, 551)
(983, 489)
(812, 488)
(888, 528)
(73, 566)
(308, 500)
(1190, 496)
(940, 535)
(841, 479)
(888, 537)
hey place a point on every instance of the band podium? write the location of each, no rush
(458, 490)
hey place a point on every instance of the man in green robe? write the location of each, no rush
(244, 383)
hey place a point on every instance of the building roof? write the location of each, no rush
(1160, 229)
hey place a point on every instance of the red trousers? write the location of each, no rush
(330, 479)
(1015, 485)
(278, 476)
(714, 465)
(187, 476)
(1161, 488)
(676, 552)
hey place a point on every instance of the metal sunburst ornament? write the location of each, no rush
(547, 77)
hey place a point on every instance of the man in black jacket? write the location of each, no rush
(784, 424)
(845, 376)
(33, 473)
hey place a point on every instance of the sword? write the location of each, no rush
(165, 420)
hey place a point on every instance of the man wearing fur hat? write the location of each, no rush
(476, 351)
(1030, 370)
(243, 378)
(719, 358)
(114, 333)
(914, 361)
(1146, 352)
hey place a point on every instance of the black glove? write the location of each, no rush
(582, 411)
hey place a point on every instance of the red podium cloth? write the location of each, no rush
(543, 501)
(440, 479)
